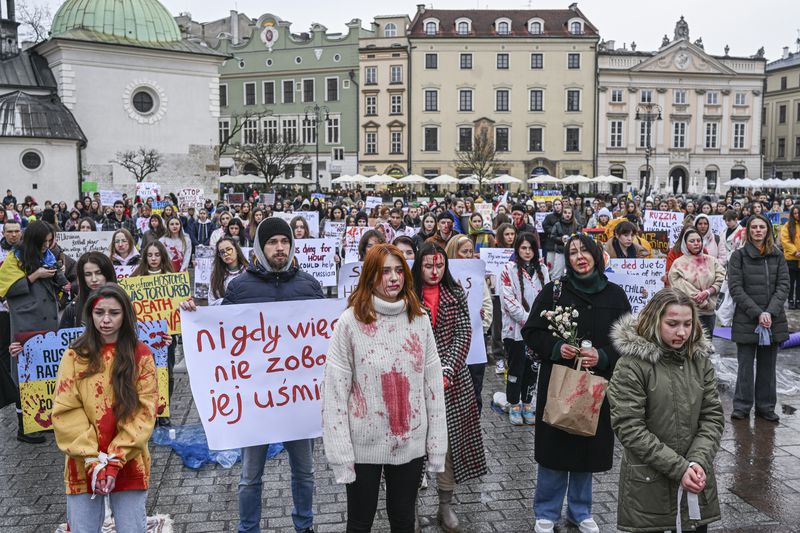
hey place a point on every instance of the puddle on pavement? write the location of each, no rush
(788, 409)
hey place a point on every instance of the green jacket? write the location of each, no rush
(666, 412)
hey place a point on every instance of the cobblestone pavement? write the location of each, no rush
(758, 468)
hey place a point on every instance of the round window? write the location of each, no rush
(143, 102)
(31, 160)
(298, 60)
(269, 62)
(337, 57)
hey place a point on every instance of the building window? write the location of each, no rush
(390, 30)
(782, 114)
(535, 28)
(271, 130)
(465, 61)
(537, 61)
(616, 96)
(679, 97)
(798, 112)
(431, 139)
(465, 99)
(711, 134)
(396, 74)
(250, 132)
(712, 98)
(397, 104)
(331, 89)
(288, 91)
(430, 28)
(464, 139)
(502, 61)
(308, 91)
(573, 140)
(646, 96)
(396, 146)
(573, 61)
(308, 131)
(31, 160)
(501, 139)
(501, 100)
(740, 99)
(223, 95)
(576, 28)
(305, 170)
(338, 154)
(289, 130)
(797, 146)
(145, 103)
(535, 136)
(370, 75)
(679, 135)
(371, 143)
(536, 100)
(370, 105)
(783, 83)
(738, 135)
(463, 28)
(332, 130)
(268, 89)
(781, 147)
(573, 100)
(503, 28)
(431, 100)
(645, 130)
(250, 93)
(711, 180)
(615, 139)
(431, 61)
(224, 130)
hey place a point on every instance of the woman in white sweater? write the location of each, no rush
(229, 262)
(178, 245)
(383, 394)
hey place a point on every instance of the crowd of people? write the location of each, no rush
(408, 328)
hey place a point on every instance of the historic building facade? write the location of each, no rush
(693, 117)
(526, 78)
(781, 124)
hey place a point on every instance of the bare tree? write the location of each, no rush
(480, 159)
(271, 154)
(35, 19)
(236, 124)
(141, 163)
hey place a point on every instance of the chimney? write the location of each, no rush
(573, 6)
(785, 53)
(610, 45)
(234, 27)
(9, 34)
(11, 11)
(420, 8)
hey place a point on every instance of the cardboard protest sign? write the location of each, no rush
(234, 198)
(372, 202)
(38, 370)
(159, 297)
(190, 197)
(669, 221)
(352, 236)
(109, 197)
(256, 371)
(147, 189)
(658, 240)
(316, 257)
(639, 278)
(123, 271)
(545, 196)
(539, 220)
(348, 279)
(334, 230)
(77, 243)
(495, 259)
(717, 224)
(312, 219)
(204, 262)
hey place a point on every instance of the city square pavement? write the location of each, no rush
(758, 468)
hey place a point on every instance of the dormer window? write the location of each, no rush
(431, 27)
(463, 26)
(390, 30)
(535, 28)
(503, 28)
(576, 27)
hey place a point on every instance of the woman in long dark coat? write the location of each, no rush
(446, 304)
(567, 461)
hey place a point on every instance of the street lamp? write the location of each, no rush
(316, 113)
(647, 112)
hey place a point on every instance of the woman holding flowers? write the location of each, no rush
(566, 461)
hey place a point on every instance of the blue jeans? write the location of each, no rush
(86, 515)
(301, 462)
(551, 485)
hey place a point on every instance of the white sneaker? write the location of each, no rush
(500, 367)
(544, 526)
(588, 526)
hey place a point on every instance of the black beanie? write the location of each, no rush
(269, 227)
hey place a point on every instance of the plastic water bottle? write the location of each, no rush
(172, 434)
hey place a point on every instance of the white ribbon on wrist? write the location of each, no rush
(103, 460)
(694, 507)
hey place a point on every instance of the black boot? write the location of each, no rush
(33, 438)
(792, 304)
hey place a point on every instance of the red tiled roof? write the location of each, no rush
(555, 22)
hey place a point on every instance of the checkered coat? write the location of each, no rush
(453, 334)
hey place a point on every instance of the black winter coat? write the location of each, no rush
(554, 448)
(260, 286)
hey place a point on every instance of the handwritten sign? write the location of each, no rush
(77, 243)
(190, 197)
(148, 189)
(486, 212)
(352, 236)
(639, 278)
(267, 198)
(658, 241)
(159, 297)
(256, 370)
(495, 259)
(109, 197)
(316, 256)
(334, 230)
(372, 202)
(668, 221)
(204, 262)
(717, 223)
(540, 220)
(123, 271)
(142, 224)
(234, 198)
(311, 217)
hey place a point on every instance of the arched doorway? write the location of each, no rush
(680, 181)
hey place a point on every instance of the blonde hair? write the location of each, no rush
(454, 244)
(649, 325)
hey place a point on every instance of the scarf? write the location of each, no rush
(430, 296)
(591, 283)
(630, 253)
(480, 237)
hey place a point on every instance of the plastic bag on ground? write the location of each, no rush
(787, 381)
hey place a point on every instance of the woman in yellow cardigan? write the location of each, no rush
(103, 415)
(790, 242)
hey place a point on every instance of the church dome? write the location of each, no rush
(145, 21)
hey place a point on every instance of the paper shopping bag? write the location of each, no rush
(574, 398)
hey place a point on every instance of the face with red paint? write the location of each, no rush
(580, 259)
(107, 317)
(392, 280)
(694, 243)
(432, 269)
(676, 325)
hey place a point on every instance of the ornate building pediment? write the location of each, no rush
(683, 57)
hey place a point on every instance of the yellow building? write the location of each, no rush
(781, 126)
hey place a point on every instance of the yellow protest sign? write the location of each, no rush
(159, 297)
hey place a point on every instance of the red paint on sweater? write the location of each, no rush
(414, 347)
(358, 404)
(396, 390)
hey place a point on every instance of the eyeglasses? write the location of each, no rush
(226, 251)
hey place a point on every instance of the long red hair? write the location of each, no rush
(371, 273)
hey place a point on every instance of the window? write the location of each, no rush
(782, 114)
(503, 28)
(615, 139)
(250, 93)
(332, 130)
(535, 28)
(798, 112)
(32, 160)
(781, 147)
(576, 28)
(431, 61)
(537, 61)
(338, 154)
(250, 131)
(396, 74)
(573, 61)
(501, 100)
(645, 132)
(465, 99)
(501, 139)
(573, 140)
(289, 172)
(738, 135)
(370, 75)
(740, 99)
(712, 98)
(797, 146)
(711, 180)
(308, 131)
(431, 100)
(535, 136)
(223, 95)
(502, 61)
(536, 100)
(308, 91)
(271, 129)
(573, 100)
(430, 28)
(679, 97)
(679, 135)
(390, 30)
(396, 145)
(370, 105)
(783, 82)
(331, 89)
(465, 61)
(224, 130)
(464, 139)
(288, 91)
(371, 143)
(268, 89)
(463, 28)
(616, 96)
(289, 127)
(397, 104)
(431, 139)
(711, 134)
(143, 102)
(306, 169)
(646, 96)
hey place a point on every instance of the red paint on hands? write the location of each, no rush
(414, 347)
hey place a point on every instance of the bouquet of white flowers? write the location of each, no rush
(562, 324)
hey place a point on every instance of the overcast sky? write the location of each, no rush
(743, 25)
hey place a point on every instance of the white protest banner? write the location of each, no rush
(486, 212)
(348, 279)
(316, 257)
(142, 224)
(267, 198)
(669, 221)
(77, 243)
(148, 189)
(539, 220)
(372, 202)
(204, 262)
(496, 259)
(334, 230)
(256, 370)
(352, 236)
(190, 197)
(109, 197)
(639, 278)
(312, 218)
(123, 272)
(718, 225)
